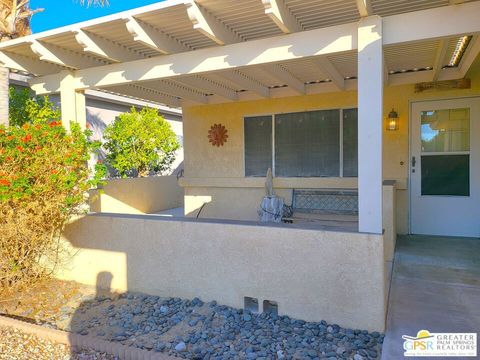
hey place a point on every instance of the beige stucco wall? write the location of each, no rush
(206, 165)
(313, 275)
(137, 195)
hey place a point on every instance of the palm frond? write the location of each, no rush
(15, 18)
(94, 2)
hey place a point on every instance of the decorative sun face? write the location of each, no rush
(217, 135)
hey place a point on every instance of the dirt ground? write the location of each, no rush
(17, 345)
(48, 303)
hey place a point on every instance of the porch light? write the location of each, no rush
(392, 120)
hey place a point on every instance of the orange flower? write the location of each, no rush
(27, 138)
(20, 148)
(88, 126)
(9, 158)
(11, 137)
(25, 126)
(4, 182)
(37, 126)
(54, 171)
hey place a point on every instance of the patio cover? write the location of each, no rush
(190, 52)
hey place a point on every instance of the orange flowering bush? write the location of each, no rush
(43, 183)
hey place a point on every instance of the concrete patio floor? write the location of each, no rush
(435, 286)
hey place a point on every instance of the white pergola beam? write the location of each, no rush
(98, 46)
(423, 76)
(285, 76)
(27, 64)
(439, 59)
(281, 16)
(246, 82)
(148, 36)
(324, 41)
(456, 2)
(177, 90)
(340, 38)
(370, 125)
(470, 55)
(364, 7)
(208, 25)
(327, 68)
(56, 55)
(141, 92)
(445, 21)
(206, 85)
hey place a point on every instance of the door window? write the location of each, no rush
(445, 152)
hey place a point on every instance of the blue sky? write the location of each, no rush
(64, 12)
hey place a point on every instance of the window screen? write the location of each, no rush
(307, 144)
(258, 145)
(350, 143)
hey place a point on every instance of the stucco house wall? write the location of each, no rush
(215, 175)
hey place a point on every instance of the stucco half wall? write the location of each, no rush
(137, 195)
(311, 274)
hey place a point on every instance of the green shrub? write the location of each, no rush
(140, 142)
(25, 108)
(43, 184)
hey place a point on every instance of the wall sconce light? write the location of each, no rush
(392, 120)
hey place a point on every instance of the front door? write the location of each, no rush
(445, 167)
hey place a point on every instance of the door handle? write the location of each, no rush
(414, 161)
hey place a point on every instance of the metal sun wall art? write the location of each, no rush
(217, 135)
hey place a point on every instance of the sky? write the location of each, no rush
(64, 12)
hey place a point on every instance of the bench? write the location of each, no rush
(329, 207)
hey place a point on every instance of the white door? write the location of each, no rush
(445, 167)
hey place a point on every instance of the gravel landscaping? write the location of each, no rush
(192, 329)
(16, 345)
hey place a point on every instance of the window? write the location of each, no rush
(307, 144)
(258, 145)
(350, 143)
(445, 156)
(304, 144)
